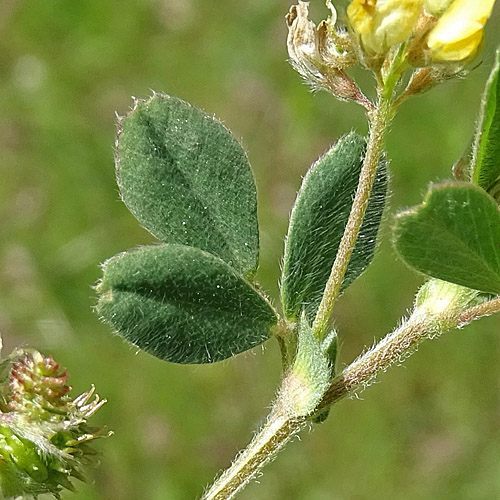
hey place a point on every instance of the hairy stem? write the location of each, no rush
(277, 431)
(380, 119)
(281, 425)
(393, 348)
(398, 345)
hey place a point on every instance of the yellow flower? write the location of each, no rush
(383, 23)
(459, 32)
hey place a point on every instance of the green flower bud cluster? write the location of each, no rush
(44, 436)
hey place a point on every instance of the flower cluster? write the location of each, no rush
(437, 38)
(454, 28)
(44, 436)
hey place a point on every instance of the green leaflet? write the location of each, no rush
(187, 180)
(453, 236)
(317, 224)
(486, 168)
(182, 304)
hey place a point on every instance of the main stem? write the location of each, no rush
(378, 125)
(274, 435)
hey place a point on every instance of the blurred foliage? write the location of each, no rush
(431, 430)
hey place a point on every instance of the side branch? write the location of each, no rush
(398, 345)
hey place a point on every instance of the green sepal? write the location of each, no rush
(24, 457)
(187, 180)
(454, 235)
(321, 416)
(486, 161)
(182, 304)
(318, 221)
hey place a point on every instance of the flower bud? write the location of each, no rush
(458, 35)
(43, 432)
(381, 24)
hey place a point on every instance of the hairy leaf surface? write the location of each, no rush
(318, 221)
(187, 180)
(487, 147)
(182, 304)
(453, 236)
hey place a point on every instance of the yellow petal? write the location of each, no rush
(459, 32)
(360, 16)
(383, 23)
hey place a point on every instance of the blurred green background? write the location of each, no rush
(430, 430)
